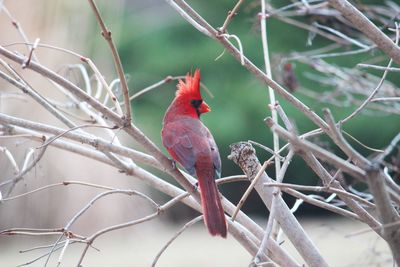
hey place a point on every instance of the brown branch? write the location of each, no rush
(16, 179)
(265, 242)
(231, 13)
(324, 189)
(371, 96)
(98, 143)
(324, 175)
(249, 189)
(321, 204)
(388, 149)
(64, 183)
(339, 140)
(304, 145)
(244, 156)
(310, 28)
(117, 61)
(73, 129)
(20, 84)
(72, 88)
(387, 214)
(176, 235)
(363, 24)
(33, 47)
(160, 209)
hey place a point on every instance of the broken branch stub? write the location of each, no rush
(244, 155)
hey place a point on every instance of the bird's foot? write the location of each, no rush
(196, 186)
(173, 163)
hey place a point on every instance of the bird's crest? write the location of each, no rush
(191, 86)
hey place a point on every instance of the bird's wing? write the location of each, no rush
(214, 154)
(179, 145)
(188, 139)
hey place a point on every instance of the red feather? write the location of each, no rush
(191, 144)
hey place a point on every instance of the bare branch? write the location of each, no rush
(321, 204)
(98, 143)
(323, 189)
(244, 155)
(187, 225)
(322, 154)
(388, 215)
(249, 189)
(364, 25)
(117, 61)
(231, 13)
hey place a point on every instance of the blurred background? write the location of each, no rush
(155, 42)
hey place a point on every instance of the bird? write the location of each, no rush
(191, 144)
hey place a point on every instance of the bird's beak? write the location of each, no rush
(204, 108)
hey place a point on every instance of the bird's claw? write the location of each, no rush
(173, 163)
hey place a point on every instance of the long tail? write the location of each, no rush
(214, 217)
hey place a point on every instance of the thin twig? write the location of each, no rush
(324, 189)
(176, 235)
(311, 28)
(154, 86)
(369, 66)
(264, 246)
(73, 129)
(269, 150)
(361, 144)
(322, 204)
(21, 174)
(363, 24)
(231, 13)
(229, 36)
(64, 183)
(249, 189)
(386, 212)
(98, 143)
(367, 230)
(343, 36)
(19, 83)
(17, 26)
(338, 138)
(152, 216)
(28, 60)
(385, 99)
(243, 154)
(90, 204)
(117, 61)
(322, 154)
(370, 97)
(268, 72)
(10, 158)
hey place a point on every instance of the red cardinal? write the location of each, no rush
(191, 144)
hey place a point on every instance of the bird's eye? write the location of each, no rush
(196, 103)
